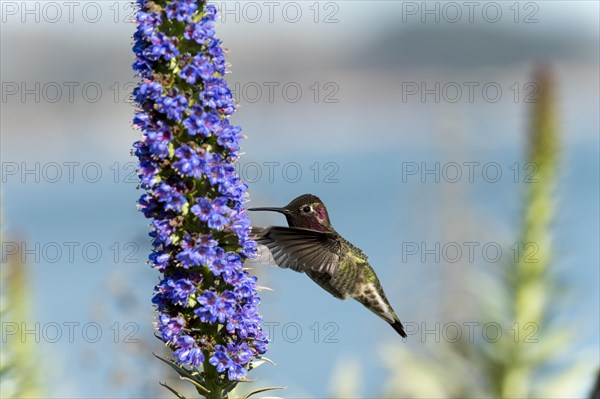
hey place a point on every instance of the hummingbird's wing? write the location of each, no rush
(300, 249)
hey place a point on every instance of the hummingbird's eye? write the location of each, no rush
(306, 209)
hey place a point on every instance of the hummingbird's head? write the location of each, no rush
(306, 211)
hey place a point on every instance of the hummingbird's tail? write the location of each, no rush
(373, 298)
(396, 325)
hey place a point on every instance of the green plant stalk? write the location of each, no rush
(19, 356)
(529, 280)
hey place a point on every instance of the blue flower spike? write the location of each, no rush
(207, 302)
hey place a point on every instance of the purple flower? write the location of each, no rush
(162, 233)
(172, 106)
(202, 209)
(199, 68)
(188, 352)
(244, 322)
(226, 306)
(229, 137)
(170, 327)
(158, 138)
(240, 354)
(182, 289)
(170, 196)
(260, 341)
(226, 265)
(214, 307)
(147, 91)
(189, 255)
(201, 31)
(217, 95)
(232, 359)
(174, 291)
(215, 213)
(161, 46)
(236, 372)
(181, 10)
(190, 163)
(213, 122)
(218, 56)
(147, 173)
(148, 22)
(246, 287)
(159, 261)
(195, 123)
(209, 302)
(141, 120)
(220, 359)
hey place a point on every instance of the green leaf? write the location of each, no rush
(186, 375)
(261, 360)
(266, 359)
(180, 370)
(245, 380)
(200, 388)
(246, 396)
(180, 396)
(229, 387)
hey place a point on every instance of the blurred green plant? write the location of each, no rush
(529, 283)
(523, 296)
(527, 295)
(19, 361)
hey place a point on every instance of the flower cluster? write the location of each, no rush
(207, 303)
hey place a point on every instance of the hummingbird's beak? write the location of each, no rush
(280, 210)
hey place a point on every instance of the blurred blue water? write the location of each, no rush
(370, 205)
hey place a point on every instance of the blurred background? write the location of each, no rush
(456, 144)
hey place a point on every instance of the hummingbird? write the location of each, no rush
(311, 245)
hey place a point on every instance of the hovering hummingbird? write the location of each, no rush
(311, 245)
